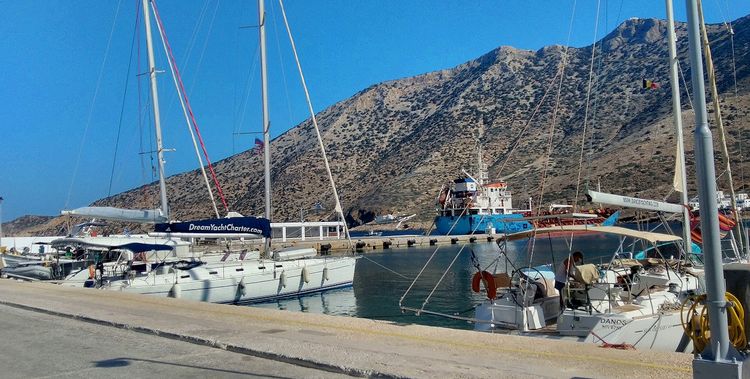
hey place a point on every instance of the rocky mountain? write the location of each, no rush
(26, 225)
(393, 145)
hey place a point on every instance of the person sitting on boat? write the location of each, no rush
(566, 270)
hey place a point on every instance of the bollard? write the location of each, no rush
(387, 244)
(410, 243)
(325, 249)
(454, 241)
(433, 242)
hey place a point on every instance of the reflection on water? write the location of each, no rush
(376, 291)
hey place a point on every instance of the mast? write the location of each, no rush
(482, 174)
(706, 174)
(157, 121)
(720, 124)
(677, 114)
(264, 99)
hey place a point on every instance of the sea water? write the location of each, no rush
(382, 278)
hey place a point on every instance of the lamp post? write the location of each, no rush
(1, 221)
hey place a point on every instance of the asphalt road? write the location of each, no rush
(37, 345)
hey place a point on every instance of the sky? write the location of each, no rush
(74, 106)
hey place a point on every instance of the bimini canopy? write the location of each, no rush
(612, 230)
(136, 245)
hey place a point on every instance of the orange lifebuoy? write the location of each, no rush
(92, 272)
(489, 284)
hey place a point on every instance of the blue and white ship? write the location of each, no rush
(473, 205)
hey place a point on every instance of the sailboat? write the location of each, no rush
(243, 280)
(624, 302)
(652, 317)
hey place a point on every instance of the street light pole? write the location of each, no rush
(719, 359)
(1, 221)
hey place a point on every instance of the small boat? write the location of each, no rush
(39, 270)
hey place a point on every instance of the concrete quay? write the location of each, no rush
(370, 243)
(337, 345)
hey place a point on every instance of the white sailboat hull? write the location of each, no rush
(505, 313)
(660, 332)
(244, 282)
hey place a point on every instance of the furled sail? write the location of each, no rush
(677, 180)
(632, 202)
(149, 216)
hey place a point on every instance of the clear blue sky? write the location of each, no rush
(53, 52)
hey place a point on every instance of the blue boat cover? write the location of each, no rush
(138, 247)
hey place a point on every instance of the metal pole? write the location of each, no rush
(157, 120)
(1, 221)
(264, 99)
(706, 175)
(266, 123)
(677, 114)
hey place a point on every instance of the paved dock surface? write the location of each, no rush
(330, 345)
(40, 345)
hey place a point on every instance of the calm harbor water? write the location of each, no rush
(377, 290)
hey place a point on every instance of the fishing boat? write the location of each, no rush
(475, 205)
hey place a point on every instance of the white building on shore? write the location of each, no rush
(724, 201)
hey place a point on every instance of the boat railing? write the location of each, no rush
(301, 231)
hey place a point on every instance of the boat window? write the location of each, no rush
(667, 251)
